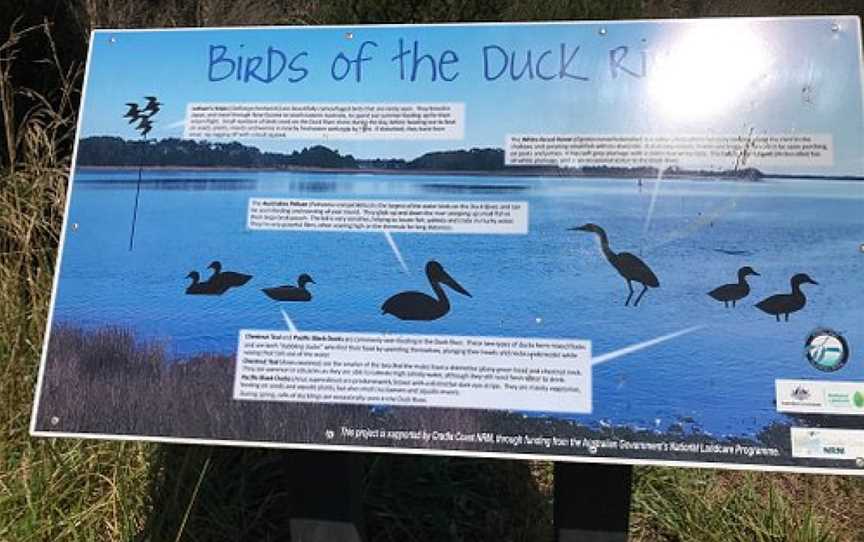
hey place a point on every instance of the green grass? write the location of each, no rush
(93, 491)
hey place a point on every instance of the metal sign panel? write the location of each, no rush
(630, 242)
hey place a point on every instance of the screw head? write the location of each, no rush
(859, 462)
(55, 420)
(74, 226)
(112, 40)
(349, 35)
(835, 27)
(602, 31)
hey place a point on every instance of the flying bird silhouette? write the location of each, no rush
(152, 105)
(145, 126)
(134, 113)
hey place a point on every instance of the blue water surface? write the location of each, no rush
(551, 282)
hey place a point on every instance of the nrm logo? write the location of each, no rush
(834, 450)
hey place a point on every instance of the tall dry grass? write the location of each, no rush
(48, 491)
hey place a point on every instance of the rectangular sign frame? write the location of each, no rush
(676, 439)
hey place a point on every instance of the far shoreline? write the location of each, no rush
(509, 172)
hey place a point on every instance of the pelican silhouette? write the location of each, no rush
(288, 292)
(736, 291)
(227, 279)
(419, 306)
(628, 266)
(787, 303)
(203, 288)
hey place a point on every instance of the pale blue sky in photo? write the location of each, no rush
(713, 76)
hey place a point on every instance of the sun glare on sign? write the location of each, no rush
(704, 72)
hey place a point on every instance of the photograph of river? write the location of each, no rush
(717, 377)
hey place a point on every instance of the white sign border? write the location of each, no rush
(854, 23)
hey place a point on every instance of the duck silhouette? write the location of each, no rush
(787, 303)
(289, 292)
(628, 266)
(736, 291)
(226, 279)
(419, 306)
(202, 288)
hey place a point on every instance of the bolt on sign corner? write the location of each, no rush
(611, 241)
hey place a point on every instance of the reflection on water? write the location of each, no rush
(733, 252)
(174, 183)
(311, 185)
(550, 283)
(475, 188)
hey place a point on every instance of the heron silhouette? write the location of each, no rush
(226, 279)
(735, 291)
(290, 292)
(419, 306)
(787, 303)
(628, 266)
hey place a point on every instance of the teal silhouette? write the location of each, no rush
(226, 280)
(786, 304)
(736, 291)
(289, 292)
(203, 288)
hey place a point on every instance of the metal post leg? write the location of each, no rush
(592, 502)
(326, 497)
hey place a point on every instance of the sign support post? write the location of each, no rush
(592, 502)
(326, 497)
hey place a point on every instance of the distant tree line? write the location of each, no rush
(648, 172)
(115, 151)
(118, 152)
(457, 160)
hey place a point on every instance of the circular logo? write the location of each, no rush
(826, 350)
(858, 399)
